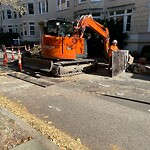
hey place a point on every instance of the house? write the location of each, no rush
(135, 16)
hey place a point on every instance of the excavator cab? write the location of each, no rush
(61, 42)
(59, 27)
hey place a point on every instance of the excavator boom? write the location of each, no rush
(88, 21)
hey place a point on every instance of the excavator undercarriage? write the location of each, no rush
(58, 68)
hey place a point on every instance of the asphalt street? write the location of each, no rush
(103, 112)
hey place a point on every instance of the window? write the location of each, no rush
(16, 29)
(149, 23)
(3, 14)
(32, 28)
(9, 14)
(129, 11)
(82, 1)
(63, 4)
(62, 28)
(120, 12)
(128, 23)
(24, 29)
(96, 16)
(10, 29)
(75, 2)
(30, 8)
(1, 29)
(68, 4)
(15, 14)
(4, 29)
(125, 16)
(96, 0)
(21, 30)
(20, 15)
(43, 7)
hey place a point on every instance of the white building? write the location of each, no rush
(134, 13)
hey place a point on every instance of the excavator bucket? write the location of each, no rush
(119, 61)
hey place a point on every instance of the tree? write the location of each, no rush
(16, 5)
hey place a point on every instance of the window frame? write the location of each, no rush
(10, 27)
(21, 30)
(16, 28)
(63, 4)
(41, 5)
(32, 24)
(3, 14)
(125, 16)
(10, 15)
(25, 29)
(96, 1)
(29, 10)
(15, 14)
(81, 2)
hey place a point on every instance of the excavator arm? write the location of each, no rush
(121, 58)
(88, 21)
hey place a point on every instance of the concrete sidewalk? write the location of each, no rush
(18, 135)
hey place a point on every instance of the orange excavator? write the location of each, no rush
(63, 49)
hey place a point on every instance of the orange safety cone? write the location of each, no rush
(19, 61)
(5, 58)
(12, 54)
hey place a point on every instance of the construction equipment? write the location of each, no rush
(63, 49)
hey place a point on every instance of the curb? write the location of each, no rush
(39, 142)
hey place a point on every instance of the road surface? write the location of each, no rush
(103, 112)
